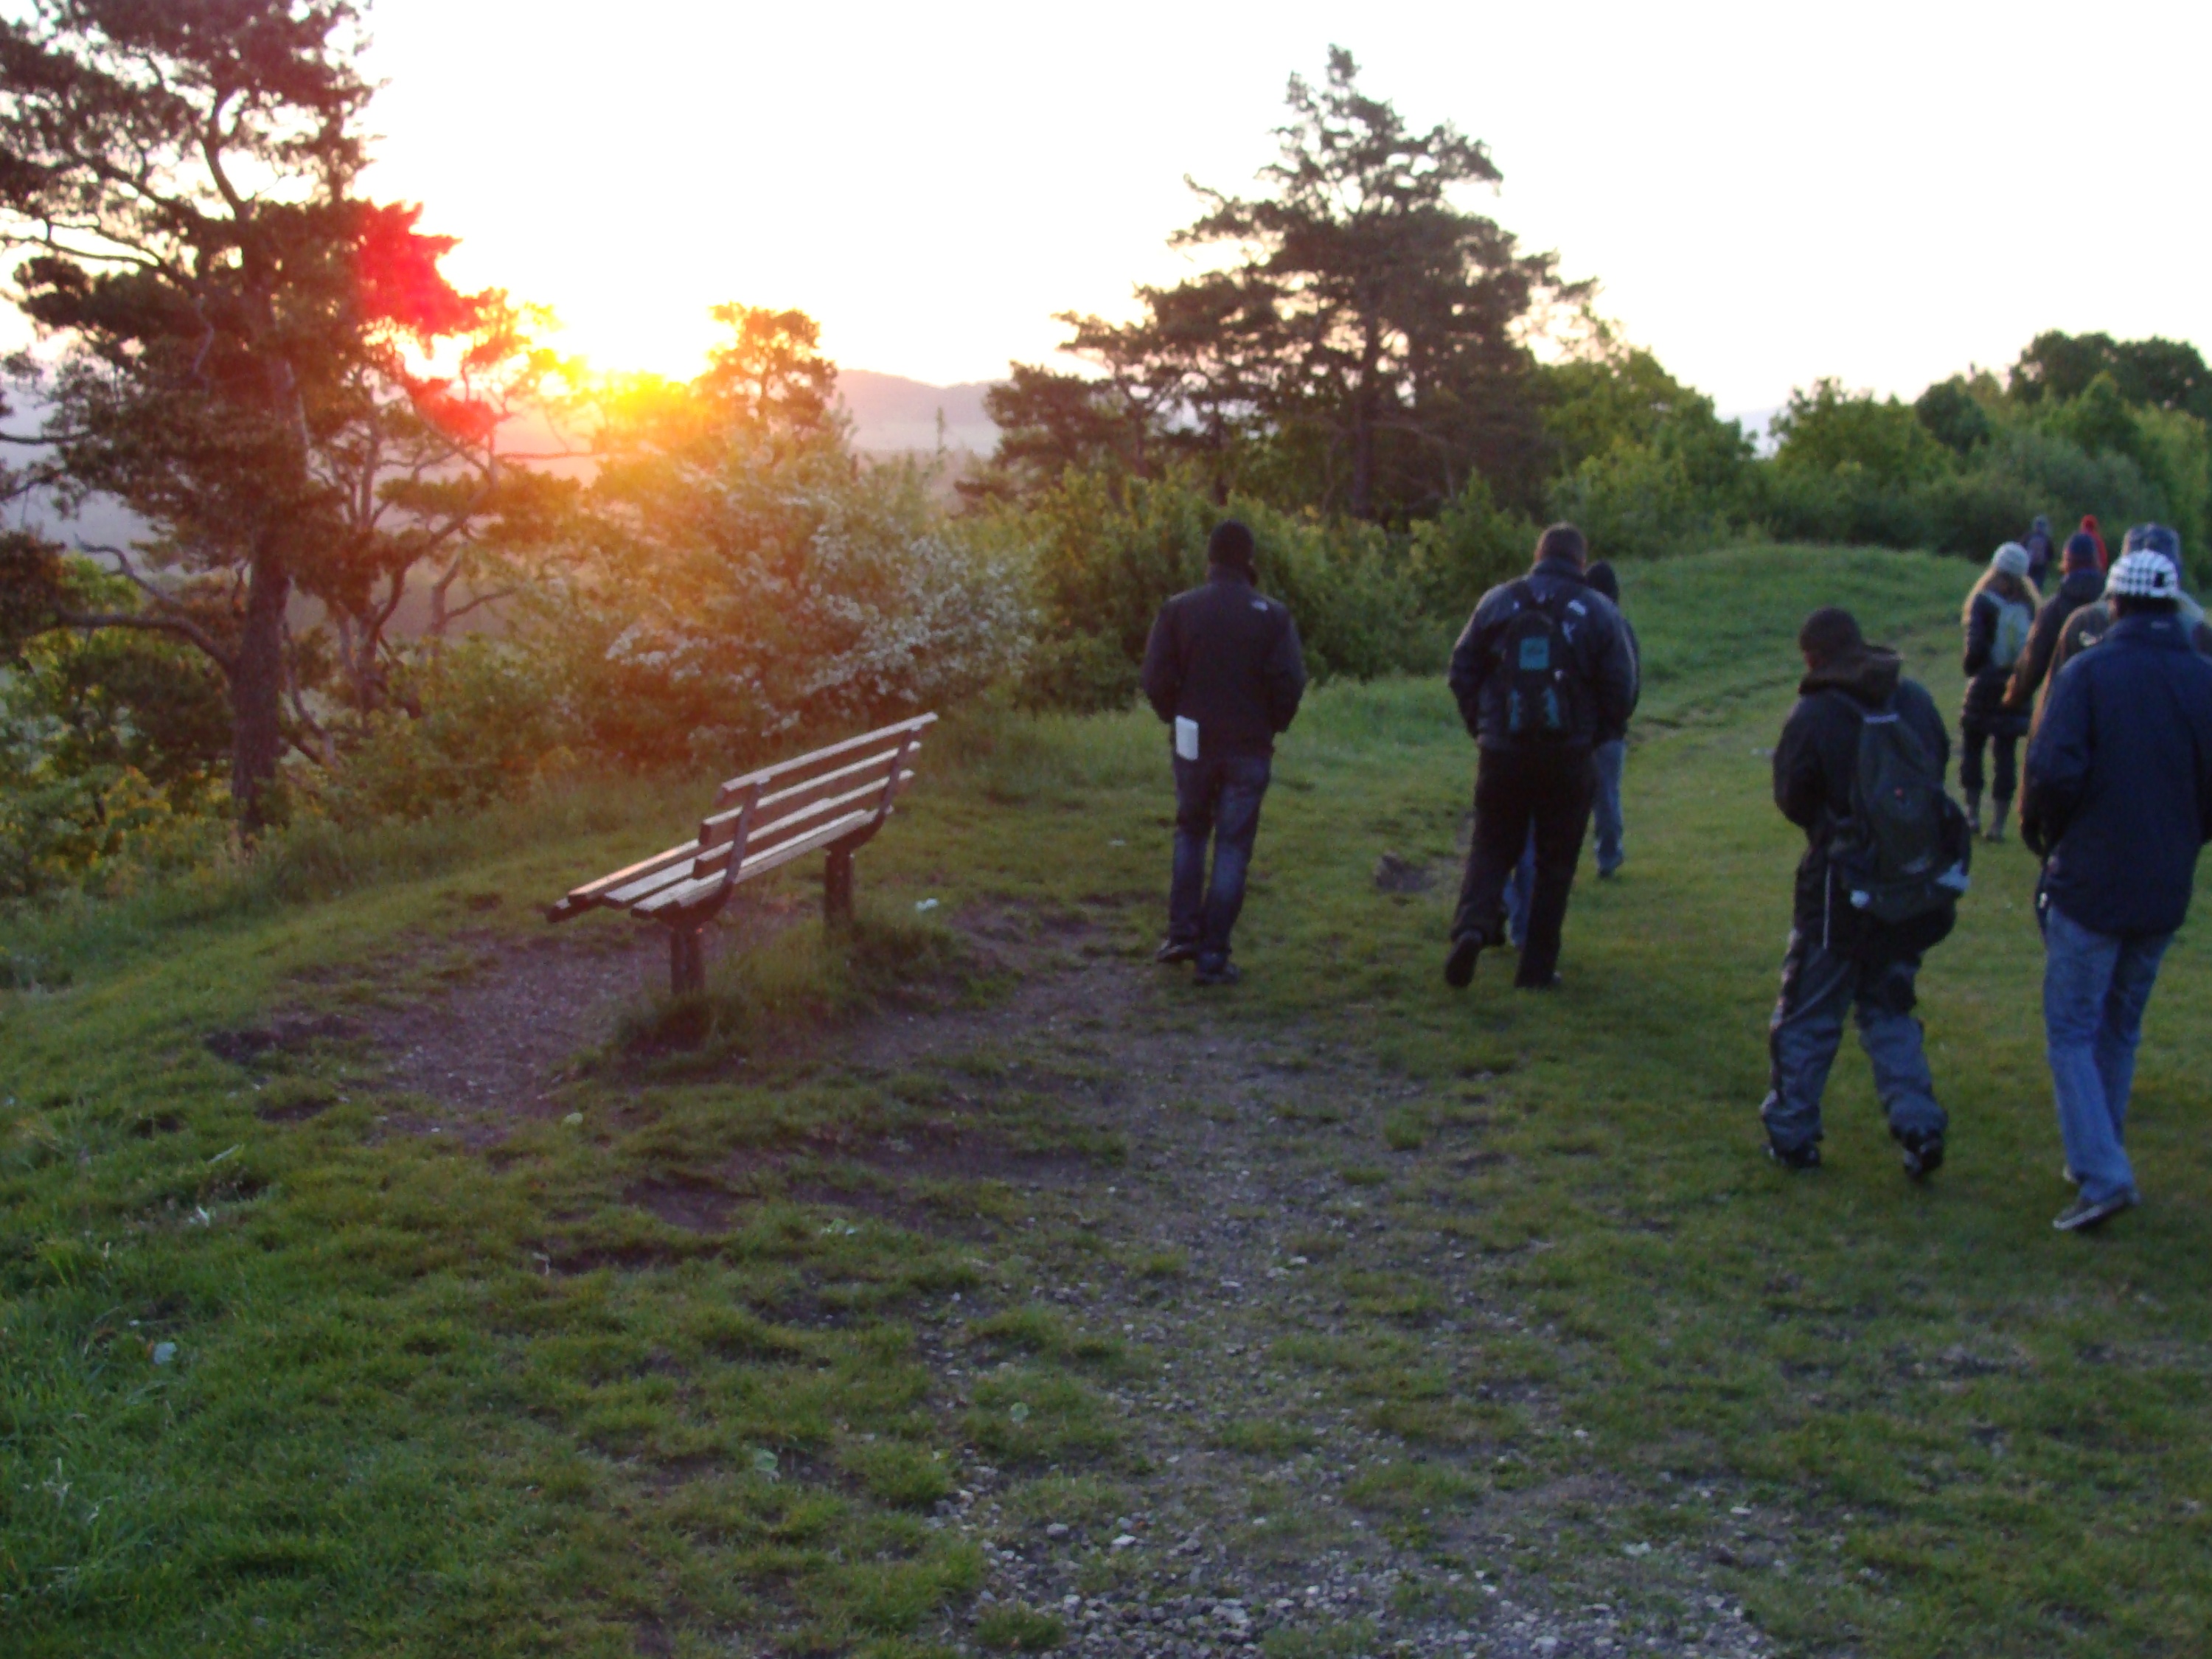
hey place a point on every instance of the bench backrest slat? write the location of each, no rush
(785, 774)
(692, 891)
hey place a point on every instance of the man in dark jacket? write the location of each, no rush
(1838, 958)
(1543, 674)
(2119, 802)
(2082, 583)
(1223, 669)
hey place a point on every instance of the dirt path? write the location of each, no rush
(1331, 1418)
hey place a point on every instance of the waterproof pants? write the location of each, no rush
(1819, 986)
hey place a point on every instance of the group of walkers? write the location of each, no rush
(2108, 680)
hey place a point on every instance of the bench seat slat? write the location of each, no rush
(699, 887)
(580, 899)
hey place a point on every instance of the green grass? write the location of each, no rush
(279, 1380)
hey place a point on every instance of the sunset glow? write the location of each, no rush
(1768, 196)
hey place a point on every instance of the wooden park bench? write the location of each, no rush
(831, 801)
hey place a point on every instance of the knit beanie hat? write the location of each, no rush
(2010, 560)
(2143, 575)
(2080, 551)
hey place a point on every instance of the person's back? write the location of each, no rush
(1600, 672)
(2119, 803)
(2039, 548)
(2082, 583)
(1845, 953)
(1226, 657)
(1542, 674)
(2119, 786)
(1223, 669)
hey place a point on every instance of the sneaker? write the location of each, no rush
(1459, 966)
(1604, 874)
(1550, 982)
(1806, 1157)
(1220, 973)
(2066, 1174)
(2085, 1212)
(1176, 950)
(1924, 1154)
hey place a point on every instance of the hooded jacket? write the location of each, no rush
(1226, 656)
(1816, 758)
(1603, 665)
(2080, 587)
(2119, 791)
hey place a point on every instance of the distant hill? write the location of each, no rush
(890, 412)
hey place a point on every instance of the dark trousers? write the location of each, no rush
(1545, 792)
(1217, 796)
(1819, 987)
(1975, 737)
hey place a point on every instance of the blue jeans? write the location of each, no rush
(2095, 987)
(1605, 810)
(1807, 1028)
(1217, 797)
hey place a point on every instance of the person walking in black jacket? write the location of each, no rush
(1839, 958)
(2082, 582)
(2119, 804)
(1222, 668)
(1999, 616)
(1543, 674)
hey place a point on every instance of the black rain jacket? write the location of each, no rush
(1226, 656)
(1605, 665)
(1814, 763)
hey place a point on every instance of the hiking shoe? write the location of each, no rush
(1806, 1157)
(1459, 966)
(2085, 1212)
(1220, 972)
(1176, 950)
(1924, 1154)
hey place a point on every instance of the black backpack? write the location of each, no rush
(1543, 695)
(1904, 852)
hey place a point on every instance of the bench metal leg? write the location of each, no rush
(837, 889)
(687, 960)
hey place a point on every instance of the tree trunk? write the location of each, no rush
(257, 688)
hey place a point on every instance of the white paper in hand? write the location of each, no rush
(1185, 738)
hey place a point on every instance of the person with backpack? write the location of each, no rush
(1998, 618)
(1859, 768)
(1223, 668)
(1542, 675)
(2118, 805)
(1608, 761)
(2082, 581)
(2039, 547)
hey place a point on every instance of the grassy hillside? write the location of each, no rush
(798, 1339)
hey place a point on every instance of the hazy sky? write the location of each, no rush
(1768, 193)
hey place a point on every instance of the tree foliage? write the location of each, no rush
(242, 334)
(1369, 328)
